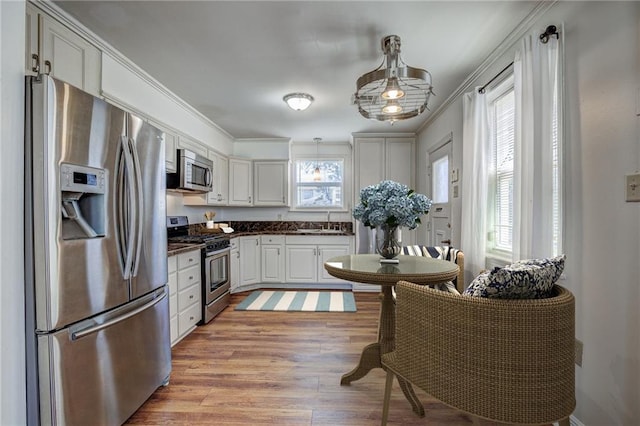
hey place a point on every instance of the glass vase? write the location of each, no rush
(388, 241)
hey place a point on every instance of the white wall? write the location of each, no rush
(602, 235)
(12, 368)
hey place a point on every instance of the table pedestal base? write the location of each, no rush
(369, 360)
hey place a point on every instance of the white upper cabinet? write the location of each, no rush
(380, 158)
(170, 144)
(271, 183)
(240, 182)
(219, 195)
(54, 49)
(400, 160)
(384, 158)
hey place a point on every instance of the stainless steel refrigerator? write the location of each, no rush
(97, 306)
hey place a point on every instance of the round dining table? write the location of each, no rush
(368, 269)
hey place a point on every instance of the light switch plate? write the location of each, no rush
(632, 186)
(454, 175)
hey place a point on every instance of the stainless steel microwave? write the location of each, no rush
(194, 173)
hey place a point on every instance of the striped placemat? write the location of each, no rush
(307, 301)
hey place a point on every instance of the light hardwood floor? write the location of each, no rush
(282, 368)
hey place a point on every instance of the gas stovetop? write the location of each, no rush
(197, 239)
(178, 232)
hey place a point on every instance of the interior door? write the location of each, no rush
(440, 183)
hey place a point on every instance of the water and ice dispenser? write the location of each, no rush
(82, 201)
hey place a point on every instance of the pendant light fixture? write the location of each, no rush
(394, 91)
(317, 176)
(298, 101)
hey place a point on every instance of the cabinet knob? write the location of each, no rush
(190, 277)
(191, 296)
(190, 318)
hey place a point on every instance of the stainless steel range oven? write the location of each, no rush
(216, 277)
(216, 282)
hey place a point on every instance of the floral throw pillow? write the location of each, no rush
(525, 279)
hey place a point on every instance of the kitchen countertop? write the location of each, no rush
(298, 232)
(177, 248)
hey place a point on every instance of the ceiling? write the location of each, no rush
(234, 60)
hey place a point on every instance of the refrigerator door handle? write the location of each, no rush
(94, 329)
(139, 205)
(131, 230)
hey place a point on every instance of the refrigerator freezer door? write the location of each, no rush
(76, 275)
(150, 259)
(100, 371)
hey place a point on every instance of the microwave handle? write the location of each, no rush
(207, 177)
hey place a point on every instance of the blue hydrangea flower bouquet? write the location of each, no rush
(388, 206)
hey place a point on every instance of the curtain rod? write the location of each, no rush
(481, 90)
(551, 31)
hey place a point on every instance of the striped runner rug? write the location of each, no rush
(307, 301)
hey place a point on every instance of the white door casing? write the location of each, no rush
(439, 181)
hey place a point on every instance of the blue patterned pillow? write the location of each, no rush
(556, 264)
(526, 279)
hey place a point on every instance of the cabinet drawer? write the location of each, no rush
(189, 318)
(173, 305)
(188, 277)
(272, 239)
(172, 263)
(188, 297)
(173, 282)
(189, 258)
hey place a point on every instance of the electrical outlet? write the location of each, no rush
(578, 353)
(632, 186)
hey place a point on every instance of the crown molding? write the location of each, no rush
(76, 26)
(514, 36)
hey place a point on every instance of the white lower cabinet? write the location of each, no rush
(234, 265)
(172, 263)
(305, 262)
(302, 263)
(272, 258)
(185, 293)
(289, 260)
(249, 260)
(326, 252)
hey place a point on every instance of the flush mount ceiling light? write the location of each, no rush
(394, 91)
(298, 101)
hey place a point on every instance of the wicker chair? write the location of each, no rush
(441, 252)
(509, 361)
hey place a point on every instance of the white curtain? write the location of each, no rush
(538, 107)
(476, 156)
